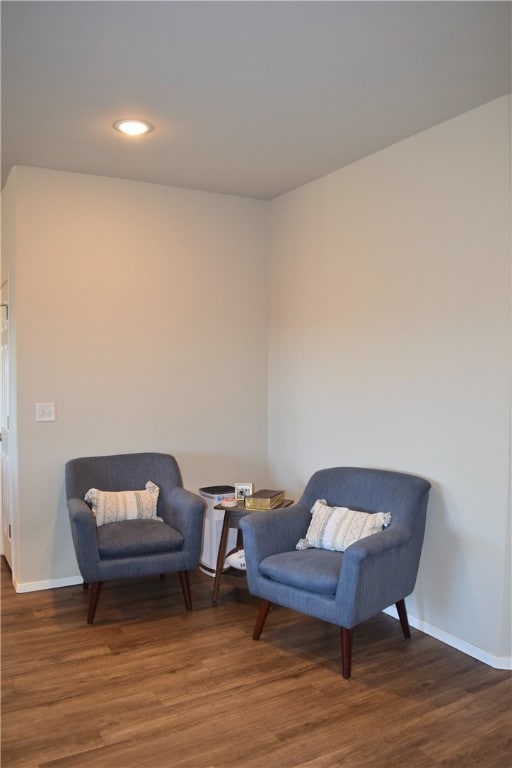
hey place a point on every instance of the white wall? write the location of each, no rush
(390, 347)
(130, 310)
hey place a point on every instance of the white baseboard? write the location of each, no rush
(498, 662)
(36, 586)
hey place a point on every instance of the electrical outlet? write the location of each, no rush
(45, 411)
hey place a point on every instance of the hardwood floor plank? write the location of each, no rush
(151, 685)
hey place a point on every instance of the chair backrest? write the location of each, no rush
(371, 490)
(121, 472)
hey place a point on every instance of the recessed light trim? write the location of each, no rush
(131, 126)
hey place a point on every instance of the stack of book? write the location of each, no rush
(264, 499)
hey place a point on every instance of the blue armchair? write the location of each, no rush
(171, 543)
(343, 588)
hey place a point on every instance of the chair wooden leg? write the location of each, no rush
(402, 615)
(185, 588)
(346, 652)
(221, 556)
(93, 600)
(260, 619)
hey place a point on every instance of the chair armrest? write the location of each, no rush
(377, 543)
(83, 531)
(183, 510)
(273, 531)
(376, 572)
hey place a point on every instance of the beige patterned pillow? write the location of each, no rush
(336, 528)
(114, 506)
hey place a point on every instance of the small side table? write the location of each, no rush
(232, 517)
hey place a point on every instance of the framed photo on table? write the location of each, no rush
(242, 490)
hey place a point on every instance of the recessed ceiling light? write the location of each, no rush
(132, 127)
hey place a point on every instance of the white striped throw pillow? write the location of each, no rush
(115, 506)
(336, 528)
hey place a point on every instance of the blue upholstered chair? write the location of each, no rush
(343, 588)
(135, 547)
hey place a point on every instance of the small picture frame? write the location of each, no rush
(242, 490)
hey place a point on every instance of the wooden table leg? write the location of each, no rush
(221, 556)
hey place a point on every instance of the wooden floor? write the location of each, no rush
(149, 686)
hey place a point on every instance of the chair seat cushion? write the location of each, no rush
(315, 570)
(137, 537)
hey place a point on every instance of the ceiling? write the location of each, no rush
(247, 98)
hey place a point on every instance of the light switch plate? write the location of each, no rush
(45, 411)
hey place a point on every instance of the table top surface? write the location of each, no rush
(241, 508)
